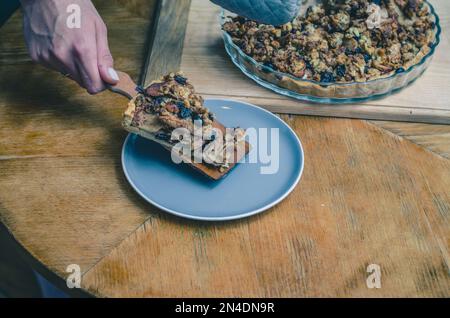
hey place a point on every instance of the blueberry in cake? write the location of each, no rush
(340, 41)
(170, 113)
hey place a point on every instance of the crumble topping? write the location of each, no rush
(377, 16)
(172, 103)
(340, 40)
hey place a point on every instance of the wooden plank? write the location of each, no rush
(16, 277)
(48, 118)
(435, 138)
(166, 40)
(427, 100)
(366, 197)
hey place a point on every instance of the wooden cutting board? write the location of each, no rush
(366, 197)
(427, 100)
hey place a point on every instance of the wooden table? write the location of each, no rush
(371, 193)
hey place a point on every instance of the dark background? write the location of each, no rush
(16, 278)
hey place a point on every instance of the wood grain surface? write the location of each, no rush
(371, 193)
(389, 206)
(166, 41)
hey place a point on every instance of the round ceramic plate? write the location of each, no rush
(245, 191)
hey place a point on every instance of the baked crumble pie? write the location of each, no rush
(171, 103)
(341, 40)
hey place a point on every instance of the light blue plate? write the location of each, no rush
(180, 190)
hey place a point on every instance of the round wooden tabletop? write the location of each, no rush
(371, 193)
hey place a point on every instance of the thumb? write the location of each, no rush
(104, 57)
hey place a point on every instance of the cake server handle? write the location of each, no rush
(125, 87)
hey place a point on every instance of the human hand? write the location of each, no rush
(81, 54)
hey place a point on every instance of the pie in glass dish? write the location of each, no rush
(337, 50)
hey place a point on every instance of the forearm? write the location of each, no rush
(274, 12)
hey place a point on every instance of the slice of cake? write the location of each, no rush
(170, 113)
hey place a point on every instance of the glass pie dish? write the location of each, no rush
(329, 92)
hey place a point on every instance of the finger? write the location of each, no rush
(105, 59)
(86, 63)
